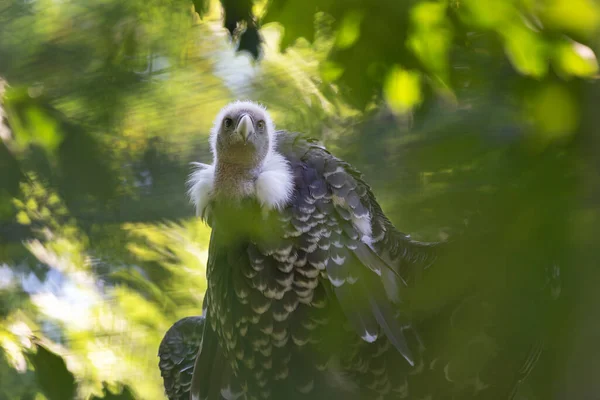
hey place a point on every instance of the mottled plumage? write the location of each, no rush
(305, 279)
(177, 353)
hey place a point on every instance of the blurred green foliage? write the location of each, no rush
(475, 117)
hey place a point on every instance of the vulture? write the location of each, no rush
(305, 282)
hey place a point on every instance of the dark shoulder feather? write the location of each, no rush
(367, 260)
(407, 257)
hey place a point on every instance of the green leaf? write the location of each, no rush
(297, 17)
(32, 120)
(402, 89)
(32, 205)
(575, 59)
(527, 52)
(488, 14)
(431, 36)
(349, 29)
(555, 111)
(23, 218)
(581, 17)
(331, 71)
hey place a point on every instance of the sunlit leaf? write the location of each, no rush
(297, 19)
(23, 218)
(31, 204)
(18, 203)
(402, 89)
(349, 29)
(331, 71)
(575, 59)
(488, 13)
(32, 121)
(555, 111)
(527, 51)
(46, 128)
(53, 199)
(431, 36)
(575, 16)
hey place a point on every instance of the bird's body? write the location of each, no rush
(305, 277)
(295, 295)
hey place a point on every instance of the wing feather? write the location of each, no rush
(177, 353)
(368, 258)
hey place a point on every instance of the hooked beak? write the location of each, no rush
(245, 127)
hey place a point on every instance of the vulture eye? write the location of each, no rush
(227, 122)
(261, 125)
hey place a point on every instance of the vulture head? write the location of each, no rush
(243, 135)
(245, 161)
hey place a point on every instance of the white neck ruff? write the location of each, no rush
(273, 187)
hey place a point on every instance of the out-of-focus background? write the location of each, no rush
(468, 117)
